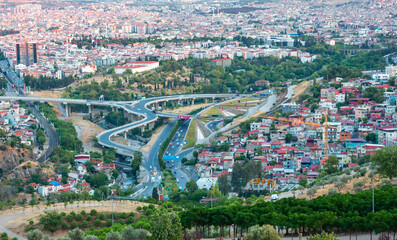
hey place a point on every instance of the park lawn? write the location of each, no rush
(213, 111)
(190, 136)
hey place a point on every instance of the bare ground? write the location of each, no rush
(186, 109)
(51, 94)
(346, 189)
(300, 89)
(88, 131)
(156, 133)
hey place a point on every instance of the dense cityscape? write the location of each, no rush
(256, 120)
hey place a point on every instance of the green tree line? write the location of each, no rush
(338, 213)
(45, 83)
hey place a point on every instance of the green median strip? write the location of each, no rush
(190, 135)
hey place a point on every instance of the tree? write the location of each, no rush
(130, 233)
(155, 194)
(265, 232)
(371, 138)
(288, 137)
(165, 225)
(323, 236)
(91, 237)
(237, 175)
(191, 186)
(331, 165)
(332, 191)
(76, 234)
(224, 185)
(386, 159)
(50, 221)
(35, 235)
(113, 236)
(311, 192)
(136, 162)
(303, 182)
(115, 174)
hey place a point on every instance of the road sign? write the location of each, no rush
(185, 142)
(170, 157)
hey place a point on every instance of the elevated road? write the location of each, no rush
(140, 113)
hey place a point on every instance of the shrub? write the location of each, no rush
(64, 225)
(88, 218)
(132, 214)
(358, 189)
(123, 215)
(139, 208)
(63, 214)
(31, 222)
(83, 213)
(108, 223)
(101, 216)
(73, 213)
(69, 218)
(29, 228)
(73, 225)
(385, 182)
(93, 212)
(358, 184)
(332, 191)
(84, 224)
(121, 221)
(130, 220)
(97, 223)
(151, 206)
(78, 217)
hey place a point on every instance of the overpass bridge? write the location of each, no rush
(139, 113)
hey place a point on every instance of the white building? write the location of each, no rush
(137, 66)
(391, 71)
(206, 182)
(381, 77)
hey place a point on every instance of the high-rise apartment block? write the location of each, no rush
(26, 53)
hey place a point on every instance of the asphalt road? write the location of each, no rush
(175, 164)
(214, 125)
(53, 139)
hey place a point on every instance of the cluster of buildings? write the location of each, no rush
(293, 148)
(75, 181)
(43, 46)
(16, 121)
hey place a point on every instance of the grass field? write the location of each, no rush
(213, 111)
(190, 135)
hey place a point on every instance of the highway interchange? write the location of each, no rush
(142, 115)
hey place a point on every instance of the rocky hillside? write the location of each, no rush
(13, 163)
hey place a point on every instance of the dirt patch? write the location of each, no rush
(50, 94)
(119, 139)
(89, 130)
(18, 225)
(348, 188)
(156, 133)
(186, 109)
(300, 89)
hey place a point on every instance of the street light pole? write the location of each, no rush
(112, 208)
(211, 196)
